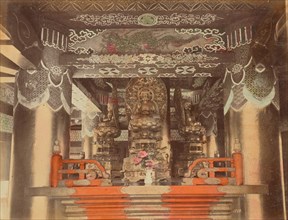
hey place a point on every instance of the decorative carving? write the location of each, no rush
(202, 75)
(252, 78)
(255, 81)
(107, 71)
(106, 19)
(185, 70)
(153, 88)
(192, 131)
(192, 123)
(239, 37)
(140, 70)
(86, 67)
(146, 19)
(54, 39)
(146, 108)
(188, 19)
(51, 86)
(259, 88)
(214, 35)
(147, 71)
(106, 130)
(77, 38)
(175, 58)
(148, 41)
(208, 65)
(211, 98)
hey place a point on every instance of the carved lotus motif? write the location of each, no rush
(145, 123)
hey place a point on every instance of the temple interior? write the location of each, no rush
(144, 109)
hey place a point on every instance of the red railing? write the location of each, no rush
(229, 170)
(206, 171)
(60, 171)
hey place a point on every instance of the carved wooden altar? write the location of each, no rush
(105, 132)
(193, 132)
(146, 108)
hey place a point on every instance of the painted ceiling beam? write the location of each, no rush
(5, 40)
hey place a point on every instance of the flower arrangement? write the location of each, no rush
(144, 159)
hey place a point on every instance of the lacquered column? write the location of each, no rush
(258, 134)
(41, 116)
(165, 142)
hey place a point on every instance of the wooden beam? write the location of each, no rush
(3, 35)
(13, 54)
(7, 79)
(8, 70)
(81, 101)
(5, 42)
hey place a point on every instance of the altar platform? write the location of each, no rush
(149, 202)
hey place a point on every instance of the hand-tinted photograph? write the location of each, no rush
(144, 109)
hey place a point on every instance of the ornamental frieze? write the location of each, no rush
(176, 58)
(110, 71)
(145, 19)
(151, 40)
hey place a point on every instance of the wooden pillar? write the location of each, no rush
(41, 116)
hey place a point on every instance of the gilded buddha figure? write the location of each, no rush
(191, 130)
(104, 133)
(146, 108)
(146, 119)
(146, 105)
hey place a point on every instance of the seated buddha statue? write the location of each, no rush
(146, 105)
(145, 114)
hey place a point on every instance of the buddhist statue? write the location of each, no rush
(146, 107)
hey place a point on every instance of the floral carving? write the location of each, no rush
(237, 68)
